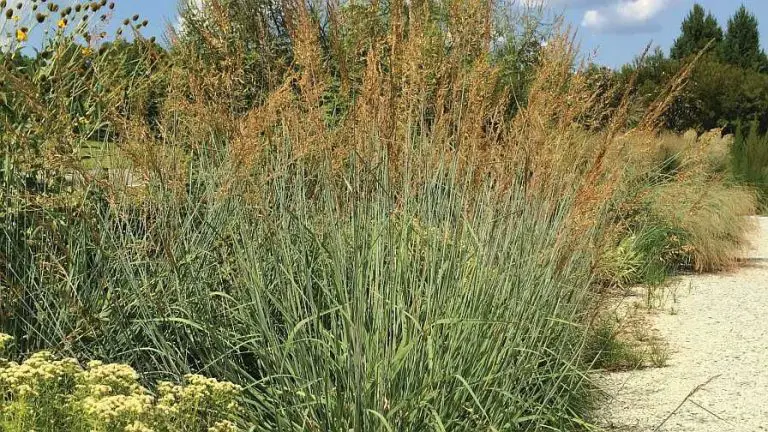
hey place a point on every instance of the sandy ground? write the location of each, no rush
(717, 330)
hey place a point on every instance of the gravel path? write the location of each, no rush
(718, 337)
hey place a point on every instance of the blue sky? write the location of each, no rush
(617, 30)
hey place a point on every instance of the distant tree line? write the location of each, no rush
(729, 84)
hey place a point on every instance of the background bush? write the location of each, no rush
(749, 157)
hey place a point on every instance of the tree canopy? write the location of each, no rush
(697, 30)
(741, 45)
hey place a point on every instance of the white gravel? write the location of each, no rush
(718, 333)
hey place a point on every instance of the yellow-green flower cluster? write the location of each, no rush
(38, 372)
(5, 340)
(108, 397)
(198, 388)
(118, 378)
(111, 397)
(111, 411)
(196, 398)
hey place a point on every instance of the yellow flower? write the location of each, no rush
(21, 35)
(61, 24)
(87, 51)
(5, 340)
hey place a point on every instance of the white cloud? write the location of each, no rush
(594, 19)
(610, 15)
(624, 15)
(193, 6)
(565, 3)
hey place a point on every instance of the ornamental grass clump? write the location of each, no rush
(45, 394)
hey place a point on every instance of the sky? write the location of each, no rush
(613, 31)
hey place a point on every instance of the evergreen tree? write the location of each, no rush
(741, 45)
(697, 30)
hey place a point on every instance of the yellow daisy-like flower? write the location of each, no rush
(87, 51)
(21, 35)
(61, 24)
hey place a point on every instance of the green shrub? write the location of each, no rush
(749, 160)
